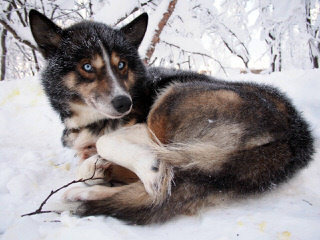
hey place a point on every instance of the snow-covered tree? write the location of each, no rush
(202, 35)
(284, 31)
(312, 8)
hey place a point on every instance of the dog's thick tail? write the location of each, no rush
(134, 206)
(256, 165)
(203, 156)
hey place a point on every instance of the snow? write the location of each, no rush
(33, 163)
(284, 9)
(110, 12)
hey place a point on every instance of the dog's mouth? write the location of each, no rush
(114, 115)
(118, 107)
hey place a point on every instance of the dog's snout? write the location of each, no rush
(121, 103)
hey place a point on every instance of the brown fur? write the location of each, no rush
(122, 175)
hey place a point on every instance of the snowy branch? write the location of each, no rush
(244, 60)
(132, 12)
(16, 35)
(196, 53)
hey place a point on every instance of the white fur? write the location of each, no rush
(84, 139)
(92, 167)
(84, 116)
(117, 90)
(84, 193)
(131, 148)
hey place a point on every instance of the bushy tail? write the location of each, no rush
(135, 206)
(204, 156)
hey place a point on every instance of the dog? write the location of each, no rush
(186, 140)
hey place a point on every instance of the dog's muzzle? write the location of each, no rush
(121, 103)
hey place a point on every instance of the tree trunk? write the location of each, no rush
(3, 54)
(314, 57)
(161, 25)
(4, 48)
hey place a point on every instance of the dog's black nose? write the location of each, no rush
(121, 103)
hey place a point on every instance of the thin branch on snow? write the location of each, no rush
(40, 211)
(307, 202)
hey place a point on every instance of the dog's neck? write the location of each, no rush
(81, 116)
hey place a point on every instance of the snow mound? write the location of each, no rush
(33, 162)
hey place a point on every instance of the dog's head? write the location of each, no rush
(90, 64)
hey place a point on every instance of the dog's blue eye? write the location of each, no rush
(87, 67)
(121, 65)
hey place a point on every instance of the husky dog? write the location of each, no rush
(189, 140)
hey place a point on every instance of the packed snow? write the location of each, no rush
(33, 162)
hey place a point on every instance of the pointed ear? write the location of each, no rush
(45, 33)
(135, 30)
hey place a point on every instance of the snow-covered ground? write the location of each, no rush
(33, 162)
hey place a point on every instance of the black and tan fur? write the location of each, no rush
(192, 140)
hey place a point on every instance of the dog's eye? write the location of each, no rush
(121, 65)
(87, 67)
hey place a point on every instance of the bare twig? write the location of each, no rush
(244, 60)
(40, 211)
(19, 14)
(307, 202)
(16, 35)
(230, 31)
(23, 52)
(197, 53)
(36, 60)
(132, 11)
(127, 15)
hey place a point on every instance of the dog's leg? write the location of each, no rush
(132, 148)
(85, 193)
(129, 202)
(86, 152)
(94, 169)
(134, 205)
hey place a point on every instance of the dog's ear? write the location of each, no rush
(45, 33)
(135, 30)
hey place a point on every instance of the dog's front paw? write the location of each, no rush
(89, 193)
(76, 194)
(94, 170)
